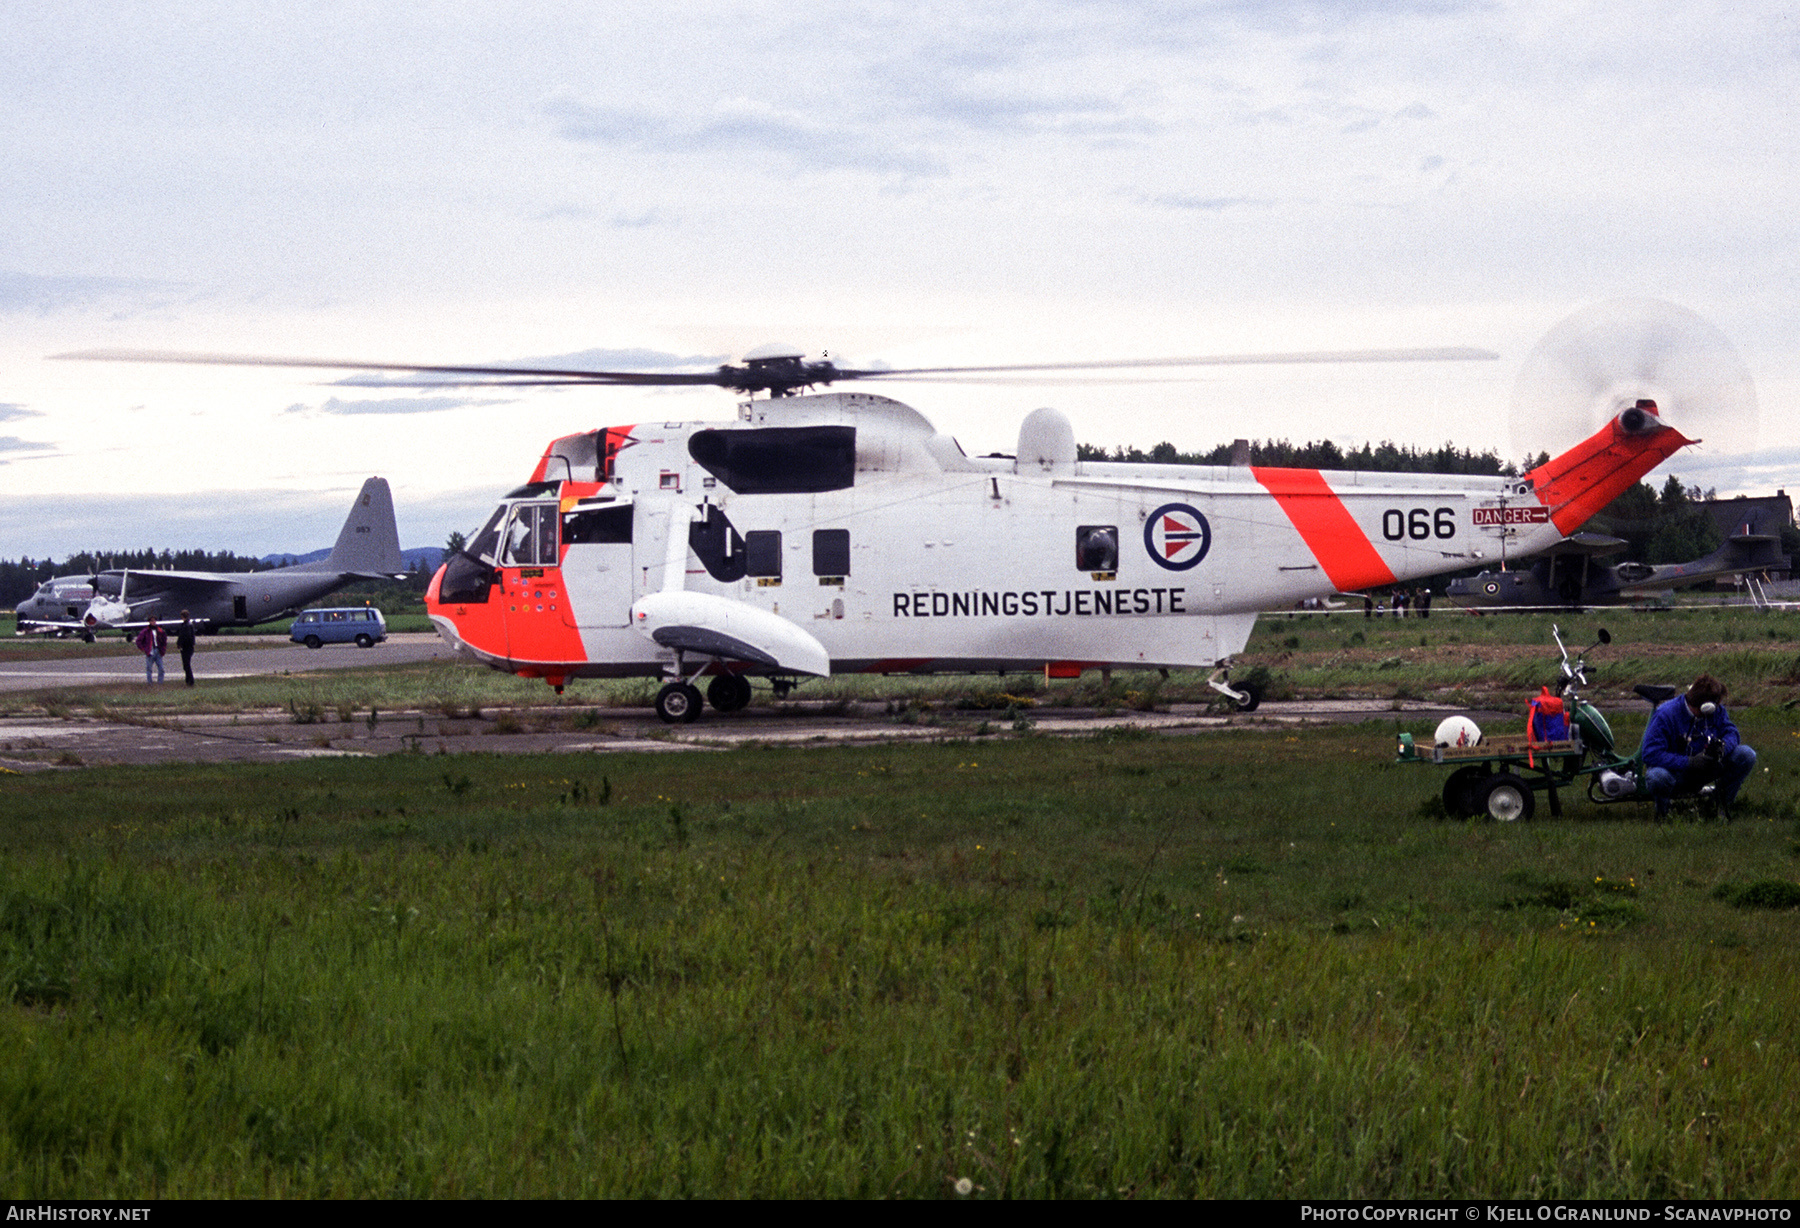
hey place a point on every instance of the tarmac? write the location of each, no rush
(45, 742)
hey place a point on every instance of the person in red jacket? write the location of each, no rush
(152, 641)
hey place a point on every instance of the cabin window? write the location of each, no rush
(598, 526)
(779, 460)
(762, 552)
(831, 552)
(531, 536)
(1097, 547)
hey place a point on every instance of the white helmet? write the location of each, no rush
(1457, 731)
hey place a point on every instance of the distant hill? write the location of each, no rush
(420, 558)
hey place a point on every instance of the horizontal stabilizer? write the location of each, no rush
(719, 627)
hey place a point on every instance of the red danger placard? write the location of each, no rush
(1511, 515)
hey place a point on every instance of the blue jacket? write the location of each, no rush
(1674, 734)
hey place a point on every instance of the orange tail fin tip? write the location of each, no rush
(1578, 484)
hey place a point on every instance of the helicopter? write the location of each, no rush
(831, 532)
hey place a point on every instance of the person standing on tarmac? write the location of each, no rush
(184, 640)
(152, 641)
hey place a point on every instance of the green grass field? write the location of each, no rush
(1244, 964)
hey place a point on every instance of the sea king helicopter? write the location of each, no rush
(831, 532)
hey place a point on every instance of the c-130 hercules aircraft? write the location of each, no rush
(840, 532)
(367, 547)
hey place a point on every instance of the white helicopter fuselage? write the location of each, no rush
(849, 517)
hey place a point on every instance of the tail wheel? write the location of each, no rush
(678, 704)
(1508, 799)
(729, 693)
(1461, 791)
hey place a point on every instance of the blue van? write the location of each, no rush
(361, 625)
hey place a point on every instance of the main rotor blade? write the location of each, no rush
(258, 360)
(1443, 354)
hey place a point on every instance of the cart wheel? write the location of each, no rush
(1460, 791)
(1508, 799)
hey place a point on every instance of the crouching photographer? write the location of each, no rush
(1690, 743)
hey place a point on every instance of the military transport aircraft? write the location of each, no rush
(1569, 574)
(841, 532)
(368, 547)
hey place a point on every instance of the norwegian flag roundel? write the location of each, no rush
(1177, 536)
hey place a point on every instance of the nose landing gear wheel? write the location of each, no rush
(678, 704)
(729, 693)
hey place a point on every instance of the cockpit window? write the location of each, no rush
(779, 460)
(486, 543)
(531, 536)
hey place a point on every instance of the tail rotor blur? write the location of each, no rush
(1607, 357)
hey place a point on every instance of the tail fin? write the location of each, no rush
(368, 544)
(1583, 480)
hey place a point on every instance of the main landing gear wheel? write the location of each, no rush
(1252, 697)
(678, 703)
(1508, 799)
(1459, 791)
(729, 693)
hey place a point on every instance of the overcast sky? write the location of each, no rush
(909, 183)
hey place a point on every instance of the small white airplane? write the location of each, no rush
(840, 532)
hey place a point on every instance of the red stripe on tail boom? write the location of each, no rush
(1326, 526)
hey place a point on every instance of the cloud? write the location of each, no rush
(1207, 204)
(29, 293)
(13, 412)
(736, 126)
(12, 443)
(1019, 111)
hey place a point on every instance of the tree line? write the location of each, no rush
(1383, 457)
